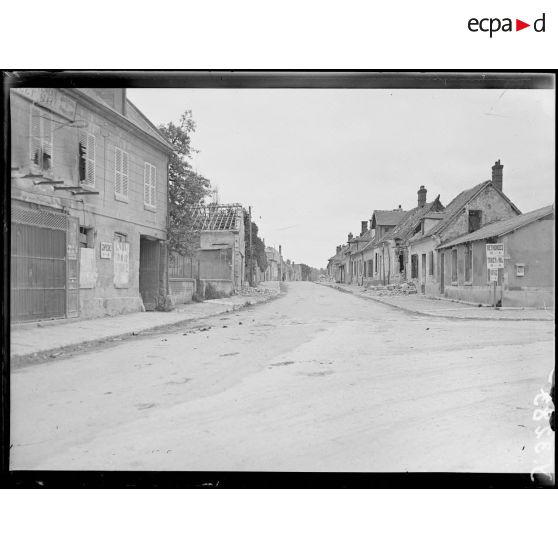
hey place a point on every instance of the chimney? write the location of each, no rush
(350, 237)
(338, 248)
(421, 196)
(497, 175)
(363, 227)
(399, 207)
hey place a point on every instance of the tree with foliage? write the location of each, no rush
(186, 186)
(258, 246)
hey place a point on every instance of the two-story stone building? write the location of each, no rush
(89, 205)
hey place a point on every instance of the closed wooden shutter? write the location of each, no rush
(146, 179)
(153, 185)
(47, 137)
(35, 136)
(117, 171)
(125, 174)
(90, 154)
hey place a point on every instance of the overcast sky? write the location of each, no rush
(314, 163)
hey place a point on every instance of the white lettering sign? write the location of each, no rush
(106, 250)
(121, 264)
(50, 98)
(495, 256)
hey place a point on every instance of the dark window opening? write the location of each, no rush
(430, 263)
(454, 266)
(414, 266)
(82, 161)
(468, 262)
(474, 220)
(401, 263)
(86, 237)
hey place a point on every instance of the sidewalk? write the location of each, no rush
(440, 308)
(31, 340)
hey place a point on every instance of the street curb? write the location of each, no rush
(430, 315)
(19, 361)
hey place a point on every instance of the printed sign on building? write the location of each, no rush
(495, 256)
(106, 250)
(50, 98)
(121, 264)
(87, 269)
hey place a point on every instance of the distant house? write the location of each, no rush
(373, 253)
(357, 244)
(467, 212)
(393, 249)
(273, 264)
(528, 276)
(339, 263)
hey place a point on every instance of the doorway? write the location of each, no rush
(442, 272)
(149, 272)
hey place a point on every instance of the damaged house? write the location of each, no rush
(392, 248)
(470, 210)
(218, 262)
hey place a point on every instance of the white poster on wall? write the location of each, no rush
(87, 268)
(121, 257)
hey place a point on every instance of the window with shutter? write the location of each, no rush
(42, 132)
(149, 185)
(86, 161)
(90, 159)
(125, 167)
(121, 174)
(153, 185)
(117, 172)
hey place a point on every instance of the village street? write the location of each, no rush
(316, 380)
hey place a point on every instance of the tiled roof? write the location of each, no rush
(383, 217)
(500, 228)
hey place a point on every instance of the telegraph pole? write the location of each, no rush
(251, 275)
(280, 265)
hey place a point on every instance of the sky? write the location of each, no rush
(314, 163)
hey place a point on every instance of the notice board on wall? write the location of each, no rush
(121, 255)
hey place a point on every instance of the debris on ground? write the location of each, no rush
(246, 290)
(397, 289)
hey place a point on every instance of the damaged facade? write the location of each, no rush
(442, 250)
(89, 205)
(219, 261)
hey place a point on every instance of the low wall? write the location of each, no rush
(181, 291)
(224, 287)
(97, 307)
(533, 298)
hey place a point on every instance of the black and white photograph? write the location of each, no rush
(282, 273)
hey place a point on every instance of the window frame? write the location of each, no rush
(123, 194)
(87, 139)
(150, 186)
(454, 270)
(40, 138)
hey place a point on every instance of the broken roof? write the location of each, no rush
(407, 227)
(215, 217)
(499, 228)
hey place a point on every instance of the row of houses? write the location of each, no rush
(442, 249)
(89, 219)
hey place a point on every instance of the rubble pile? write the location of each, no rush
(246, 290)
(392, 290)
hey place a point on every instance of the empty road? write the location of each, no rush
(317, 380)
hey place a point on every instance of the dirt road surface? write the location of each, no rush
(317, 380)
